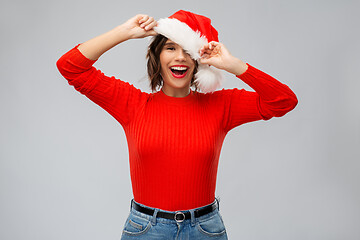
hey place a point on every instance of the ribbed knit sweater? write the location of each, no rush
(174, 143)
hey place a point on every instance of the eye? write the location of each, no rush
(170, 48)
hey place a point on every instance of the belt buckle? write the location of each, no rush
(179, 217)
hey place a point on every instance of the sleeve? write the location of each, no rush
(118, 98)
(270, 99)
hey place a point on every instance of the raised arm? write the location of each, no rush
(270, 99)
(117, 97)
(139, 26)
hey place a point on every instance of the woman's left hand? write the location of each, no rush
(217, 55)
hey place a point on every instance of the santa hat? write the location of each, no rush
(192, 31)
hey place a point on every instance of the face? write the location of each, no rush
(177, 68)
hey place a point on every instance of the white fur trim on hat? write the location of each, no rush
(207, 78)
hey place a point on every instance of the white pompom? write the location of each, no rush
(208, 78)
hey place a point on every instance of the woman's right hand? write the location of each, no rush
(140, 26)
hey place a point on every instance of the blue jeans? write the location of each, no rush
(142, 226)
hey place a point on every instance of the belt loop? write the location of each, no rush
(192, 214)
(218, 202)
(131, 204)
(153, 221)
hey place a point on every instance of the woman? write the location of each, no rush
(175, 134)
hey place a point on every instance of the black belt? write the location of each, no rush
(178, 216)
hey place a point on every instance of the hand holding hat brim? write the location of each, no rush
(217, 55)
(141, 26)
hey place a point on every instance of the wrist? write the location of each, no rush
(122, 33)
(237, 67)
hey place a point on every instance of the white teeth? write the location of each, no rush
(179, 68)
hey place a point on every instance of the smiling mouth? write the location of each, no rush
(179, 72)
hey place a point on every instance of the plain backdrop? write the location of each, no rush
(64, 171)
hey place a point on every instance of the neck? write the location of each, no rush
(179, 93)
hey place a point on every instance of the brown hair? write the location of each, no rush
(153, 62)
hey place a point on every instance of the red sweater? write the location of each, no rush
(174, 143)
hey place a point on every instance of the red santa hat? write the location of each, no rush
(192, 31)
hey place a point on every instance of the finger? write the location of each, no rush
(148, 21)
(205, 56)
(202, 50)
(204, 61)
(216, 49)
(214, 43)
(150, 24)
(143, 20)
(205, 48)
(208, 51)
(151, 33)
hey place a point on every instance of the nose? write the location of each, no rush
(181, 55)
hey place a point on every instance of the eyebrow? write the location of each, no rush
(169, 43)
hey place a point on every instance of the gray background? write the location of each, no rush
(64, 170)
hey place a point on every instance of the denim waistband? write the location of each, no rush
(172, 221)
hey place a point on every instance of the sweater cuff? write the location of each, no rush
(255, 77)
(247, 72)
(80, 59)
